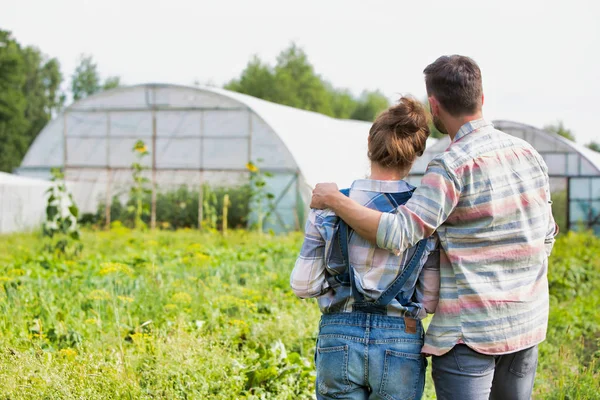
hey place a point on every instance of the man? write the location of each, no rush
(488, 198)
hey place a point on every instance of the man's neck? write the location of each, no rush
(379, 173)
(453, 125)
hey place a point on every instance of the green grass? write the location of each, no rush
(184, 315)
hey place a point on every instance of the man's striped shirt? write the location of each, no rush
(488, 198)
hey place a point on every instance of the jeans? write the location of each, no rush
(369, 356)
(465, 374)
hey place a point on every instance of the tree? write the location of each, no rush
(86, 81)
(370, 105)
(111, 82)
(41, 89)
(560, 129)
(29, 96)
(257, 80)
(12, 103)
(593, 146)
(299, 85)
(294, 82)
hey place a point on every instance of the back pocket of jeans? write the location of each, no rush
(472, 362)
(401, 373)
(524, 361)
(332, 370)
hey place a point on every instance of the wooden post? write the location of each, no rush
(226, 205)
(108, 200)
(65, 158)
(200, 201)
(153, 211)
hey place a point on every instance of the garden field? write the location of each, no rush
(188, 315)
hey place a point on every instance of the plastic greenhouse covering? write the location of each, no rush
(198, 136)
(206, 135)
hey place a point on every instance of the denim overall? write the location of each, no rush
(366, 354)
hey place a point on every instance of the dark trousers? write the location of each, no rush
(464, 374)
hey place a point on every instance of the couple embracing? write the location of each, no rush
(470, 245)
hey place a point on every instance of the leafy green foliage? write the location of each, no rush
(61, 226)
(140, 186)
(261, 201)
(86, 80)
(294, 82)
(155, 315)
(593, 146)
(559, 209)
(111, 82)
(569, 366)
(433, 131)
(559, 129)
(12, 103)
(177, 209)
(187, 315)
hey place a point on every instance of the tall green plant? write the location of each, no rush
(139, 188)
(60, 226)
(261, 202)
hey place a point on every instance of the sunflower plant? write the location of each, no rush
(139, 188)
(261, 200)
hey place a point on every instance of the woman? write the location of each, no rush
(370, 334)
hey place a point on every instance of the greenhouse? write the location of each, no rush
(209, 136)
(197, 136)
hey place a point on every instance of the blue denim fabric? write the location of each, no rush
(369, 356)
(464, 374)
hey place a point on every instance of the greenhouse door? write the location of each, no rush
(584, 203)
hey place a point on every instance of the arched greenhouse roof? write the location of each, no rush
(319, 147)
(563, 157)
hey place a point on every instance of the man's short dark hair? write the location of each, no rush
(455, 81)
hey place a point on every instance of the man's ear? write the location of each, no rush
(482, 99)
(434, 105)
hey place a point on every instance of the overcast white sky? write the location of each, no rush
(540, 59)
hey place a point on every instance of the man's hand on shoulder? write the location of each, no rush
(322, 195)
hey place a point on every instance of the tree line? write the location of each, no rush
(32, 92)
(292, 81)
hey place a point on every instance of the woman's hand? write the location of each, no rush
(322, 194)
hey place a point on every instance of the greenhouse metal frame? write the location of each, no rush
(194, 136)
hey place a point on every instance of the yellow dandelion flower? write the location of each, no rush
(181, 298)
(125, 299)
(251, 167)
(110, 268)
(91, 321)
(99, 294)
(16, 272)
(68, 353)
(202, 257)
(5, 279)
(170, 307)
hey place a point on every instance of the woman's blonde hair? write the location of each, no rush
(398, 134)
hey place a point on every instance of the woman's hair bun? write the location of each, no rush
(399, 134)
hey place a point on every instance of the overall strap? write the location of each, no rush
(395, 288)
(344, 233)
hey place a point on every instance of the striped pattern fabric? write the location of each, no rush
(375, 269)
(488, 198)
